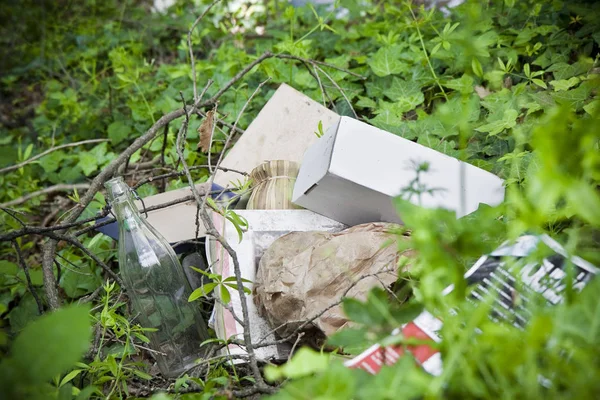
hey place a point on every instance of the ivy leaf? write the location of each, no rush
(447, 147)
(575, 98)
(386, 61)
(464, 85)
(118, 131)
(562, 70)
(593, 107)
(365, 102)
(564, 84)
(508, 121)
(407, 95)
(88, 163)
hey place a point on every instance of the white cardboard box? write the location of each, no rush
(353, 172)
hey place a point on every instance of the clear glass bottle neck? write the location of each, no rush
(125, 209)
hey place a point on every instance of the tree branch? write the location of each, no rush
(45, 153)
(61, 187)
(211, 230)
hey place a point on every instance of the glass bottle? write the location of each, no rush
(157, 286)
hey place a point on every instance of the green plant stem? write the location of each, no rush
(435, 77)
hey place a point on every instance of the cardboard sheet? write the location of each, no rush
(282, 130)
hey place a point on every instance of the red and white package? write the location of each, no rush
(424, 327)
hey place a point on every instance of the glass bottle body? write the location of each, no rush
(158, 290)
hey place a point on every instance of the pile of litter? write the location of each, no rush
(319, 222)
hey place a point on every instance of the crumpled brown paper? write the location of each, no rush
(303, 273)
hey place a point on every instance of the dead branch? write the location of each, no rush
(25, 268)
(45, 153)
(211, 230)
(182, 173)
(73, 241)
(48, 250)
(237, 77)
(322, 63)
(61, 187)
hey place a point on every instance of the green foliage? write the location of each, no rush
(509, 86)
(217, 282)
(43, 350)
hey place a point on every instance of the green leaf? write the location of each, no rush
(562, 70)
(112, 364)
(540, 83)
(118, 131)
(225, 296)
(407, 95)
(202, 291)
(574, 98)
(88, 163)
(585, 201)
(305, 362)
(352, 340)
(386, 61)
(87, 392)
(564, 84)
(70, 376)
(477, 68)
(141, 374)
(508, 121)
(52, 343)
(234, 279)
(593, 107)
(464, 85)
(79, 282)
(28, 151)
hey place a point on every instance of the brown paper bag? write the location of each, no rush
(303, 273)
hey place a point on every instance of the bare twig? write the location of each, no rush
(92, 296)
(25, 268)
(211, 230)
(13, 214)
(338, 88)
(322, 63)
(295, 344)
(237, 77)
(182, 173)
(189, 42)
(316, 74)
(73, 241)
(229, 308)
(61, 187)
(45, 153)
